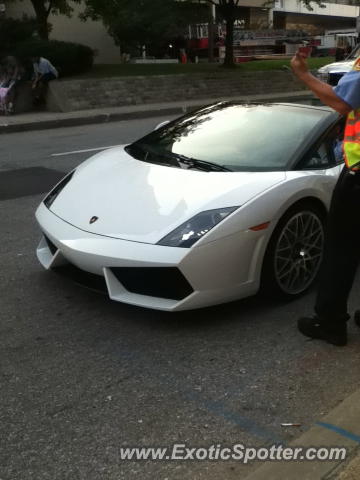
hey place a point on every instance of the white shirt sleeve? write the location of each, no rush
(46, 67)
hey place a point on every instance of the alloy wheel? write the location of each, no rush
(298, 252)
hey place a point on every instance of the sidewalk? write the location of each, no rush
(46, 120)
(351, 471)
(340, 428)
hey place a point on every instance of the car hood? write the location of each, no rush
(143, 202)
(337, 67)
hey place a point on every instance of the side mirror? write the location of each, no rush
(162, 124)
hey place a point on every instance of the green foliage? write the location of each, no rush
(63, 7)
(69, 58)
(144, 22)
(42, 10)
(13, 31)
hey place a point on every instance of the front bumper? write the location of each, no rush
(208, 274)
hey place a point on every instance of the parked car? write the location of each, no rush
(204, 210)
(332, 72)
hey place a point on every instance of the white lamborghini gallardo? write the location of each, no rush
(204, 210)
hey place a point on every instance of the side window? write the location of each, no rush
(318, 159)
(336, 142)
(329, 153)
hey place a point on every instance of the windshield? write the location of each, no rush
(354, 54)
(235, 137)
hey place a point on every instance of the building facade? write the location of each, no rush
(293, 14)
(335, 14)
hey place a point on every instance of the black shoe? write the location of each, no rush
(311, 327)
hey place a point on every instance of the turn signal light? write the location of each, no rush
(262, 226)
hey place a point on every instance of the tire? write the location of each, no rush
(294, 253)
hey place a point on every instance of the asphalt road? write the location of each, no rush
(81, 376)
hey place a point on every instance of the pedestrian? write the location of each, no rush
(44, 72)
(14, 74)
(342, 244)
(4, 90)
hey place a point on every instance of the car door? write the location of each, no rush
(321, 166)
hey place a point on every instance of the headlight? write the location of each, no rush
(50, 199)
(191, 231)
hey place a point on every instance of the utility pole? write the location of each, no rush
(211, 32)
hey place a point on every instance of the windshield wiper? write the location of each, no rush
(148, 154)
(201, 164)
(179, 160)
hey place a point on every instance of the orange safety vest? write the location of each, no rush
(352, 134)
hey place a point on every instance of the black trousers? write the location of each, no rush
(342, 250)
(47, 77)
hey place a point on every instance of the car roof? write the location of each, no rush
(324, 108)
(315, 108)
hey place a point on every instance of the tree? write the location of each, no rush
(43, 9)
(228, 10)
(308, 3)
(134, 24)
(14, 31)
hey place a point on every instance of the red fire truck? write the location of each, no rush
(248, 44)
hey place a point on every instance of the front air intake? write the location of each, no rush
(160, 282)
(53, 249)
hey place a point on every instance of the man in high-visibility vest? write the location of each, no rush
(342, 245)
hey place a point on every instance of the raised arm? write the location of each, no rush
(322, 90)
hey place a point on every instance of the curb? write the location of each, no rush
(340, 428)
(87, 117)
(88, 120)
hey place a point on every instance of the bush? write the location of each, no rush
(14, 31)
(69, 58)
